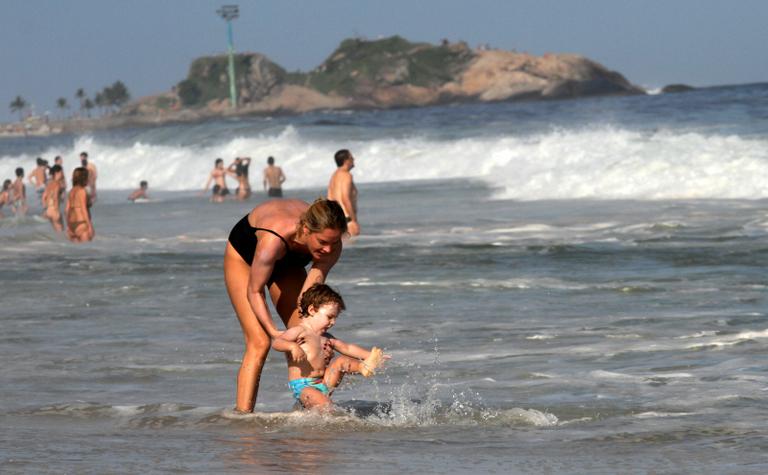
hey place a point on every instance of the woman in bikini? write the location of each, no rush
(5, 196)
(240, 168)
(271, 247)
(79, 225)
(51, 199)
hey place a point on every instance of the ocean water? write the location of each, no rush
(564, 287)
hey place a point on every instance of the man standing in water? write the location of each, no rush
(273, 179)
(39, 177)
(342, 189)
(91, 176)
(218, 177)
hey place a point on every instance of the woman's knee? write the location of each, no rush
(257, 348)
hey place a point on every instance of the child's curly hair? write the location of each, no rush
(317, 296)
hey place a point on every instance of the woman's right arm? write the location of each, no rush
(268, 249)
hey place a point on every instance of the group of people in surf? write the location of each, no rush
(50, 186)
(268, 250)
(273, 179)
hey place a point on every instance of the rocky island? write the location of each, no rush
(367, 74)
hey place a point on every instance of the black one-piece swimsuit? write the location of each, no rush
(243, 239)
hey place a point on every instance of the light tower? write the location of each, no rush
(229, 13)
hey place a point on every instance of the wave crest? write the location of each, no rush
(592, 163)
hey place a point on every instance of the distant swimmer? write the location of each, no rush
(342, 189)
(140, 193)
(92, 175)
(19, 194)
(58, 161)
(240, 168)
(312, 376)
(78, 214)
(39, 176)
(218, 177)
(52, 199)
(273, 179)
(5, 196)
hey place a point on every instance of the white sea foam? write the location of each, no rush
(655, 414)
(730, 340)
(596, 163)
(540, 337)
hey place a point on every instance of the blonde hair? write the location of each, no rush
(323, 214)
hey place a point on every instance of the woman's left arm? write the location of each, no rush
(320, 269)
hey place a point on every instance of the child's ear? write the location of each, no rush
(311, 309)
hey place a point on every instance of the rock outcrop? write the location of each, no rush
(674, 88)
(386, 73)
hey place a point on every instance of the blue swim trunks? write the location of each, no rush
(297, 385)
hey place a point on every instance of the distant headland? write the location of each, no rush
(363, 74)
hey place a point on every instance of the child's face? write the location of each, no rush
(324, 318)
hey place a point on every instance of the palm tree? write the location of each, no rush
(100, 103)
(80, 95)
(18, 105)
(61, 103)
(88, 105)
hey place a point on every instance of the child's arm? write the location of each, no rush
(288, 342)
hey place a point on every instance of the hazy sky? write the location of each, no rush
(49, 48)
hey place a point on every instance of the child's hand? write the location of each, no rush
(297, 354)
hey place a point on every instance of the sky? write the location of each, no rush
(50, 48)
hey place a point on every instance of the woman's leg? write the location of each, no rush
(236, 275)
(55, 217)
(285, 289)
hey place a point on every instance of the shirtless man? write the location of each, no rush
(273, 179)
(19, 194)
(342, 189)
(218, 177)
(140, 193)
(92, 175)
(39, 177)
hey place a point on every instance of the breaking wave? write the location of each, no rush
(592, 163)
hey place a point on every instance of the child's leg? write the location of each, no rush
(338, 367)
(312, 398)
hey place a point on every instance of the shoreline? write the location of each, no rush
(39, 126)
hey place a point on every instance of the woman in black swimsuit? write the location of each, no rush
(270, 247)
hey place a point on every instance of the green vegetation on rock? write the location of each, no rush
(359, 65)
(208, 78)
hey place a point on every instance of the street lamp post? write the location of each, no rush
(229, 13)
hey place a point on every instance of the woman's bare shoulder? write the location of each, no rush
(280, 216)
